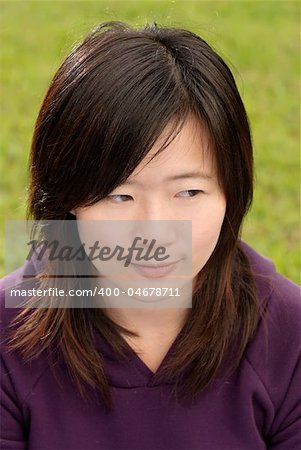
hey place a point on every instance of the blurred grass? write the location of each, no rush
(258, 39)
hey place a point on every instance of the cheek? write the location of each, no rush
(205, 232)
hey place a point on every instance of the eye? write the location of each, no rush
(120, 198)
(189, 193)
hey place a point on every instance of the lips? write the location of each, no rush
(155, 270)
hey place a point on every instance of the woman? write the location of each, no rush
(148, 125)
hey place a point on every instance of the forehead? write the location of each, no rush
(189, 150)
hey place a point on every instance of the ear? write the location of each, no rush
(72, 212)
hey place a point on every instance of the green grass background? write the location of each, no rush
(258, 39)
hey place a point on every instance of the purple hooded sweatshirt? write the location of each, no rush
(258, 406)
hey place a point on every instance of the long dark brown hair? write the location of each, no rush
(105, 108)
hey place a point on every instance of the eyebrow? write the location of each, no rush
(180, 176)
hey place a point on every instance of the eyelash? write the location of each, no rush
(118, 195)
(194, 191)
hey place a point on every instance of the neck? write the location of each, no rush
(155, 322)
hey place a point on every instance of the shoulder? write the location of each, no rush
(8, 311)
(275, 291)
(9, 301)
(279, 329)
(15, 289)
(274, 353)
(17, 375)
(279, 300)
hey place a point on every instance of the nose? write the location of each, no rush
(156, 221)
(157, 234)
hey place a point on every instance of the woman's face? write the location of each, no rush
(179, 184)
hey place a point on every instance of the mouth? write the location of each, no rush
(155, 270)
